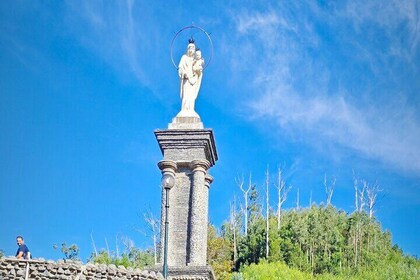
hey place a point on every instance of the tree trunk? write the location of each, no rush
(267, 206)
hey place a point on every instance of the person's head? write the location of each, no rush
(19, 240)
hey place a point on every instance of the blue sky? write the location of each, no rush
(316, 87)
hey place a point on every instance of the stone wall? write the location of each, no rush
(11, 268)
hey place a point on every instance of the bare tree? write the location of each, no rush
(282, 192)
(267, 206)
(240, 183)
(359, 194)
(360, 204)
(329, 188)
(362, 200)
(358, 208)
(117, 250)
(365, 200)
(233, 222)
(93, 245)
(310, 200)
(372, 194)
(107, 247)
(127, 242)
(153, 224)
(356, 193)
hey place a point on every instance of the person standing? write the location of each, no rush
(23, 251)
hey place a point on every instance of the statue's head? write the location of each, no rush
(197, 53)
(191, 47)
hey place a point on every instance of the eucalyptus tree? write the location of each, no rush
(282, 192)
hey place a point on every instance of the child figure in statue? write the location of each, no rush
(198, 69)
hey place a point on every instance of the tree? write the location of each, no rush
(233, 226)
(93, 245)
(70, 252)
(252, 245)
(282, 192)
(132, 256)
(219, 254)
(359, 195)
(140, 258)
(128, 243)
(267, 216)
(154, 226)
(357, 228)
(272, 271)
(322, 241)
(240, 183)
(356, 193)
(329, 188)
(102, 257)
(372, 191)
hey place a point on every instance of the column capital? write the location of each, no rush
(208, 180)
(200, 165)
(167, 166)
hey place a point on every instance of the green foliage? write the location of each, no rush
(140, 258)
(252, 246)
(276, 253)
(272, 271)
(70, 252)
(395, 266)
(219, 252)
(320, 242)
(134, 258)
(1, 253)
(102, 257)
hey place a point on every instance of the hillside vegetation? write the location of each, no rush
(318, 242)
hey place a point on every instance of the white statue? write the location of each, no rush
(190, 71)
(198, 67)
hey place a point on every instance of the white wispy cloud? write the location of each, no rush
(297, 85)
(392, 19)
(113, 33)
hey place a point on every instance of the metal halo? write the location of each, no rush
(202, 30)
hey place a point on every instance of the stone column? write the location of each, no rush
(166, 167)
(208, 181)
(189, 152)
(199, 214)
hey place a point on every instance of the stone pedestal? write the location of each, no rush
(189, 272)
(188, 154)
(186, 123)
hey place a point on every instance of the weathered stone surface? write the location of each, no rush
(12, 268)
(187, 155)
(20, 272)
(189, 272)
(186, 123)
(186, 145)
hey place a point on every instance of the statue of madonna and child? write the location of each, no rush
(190, 71)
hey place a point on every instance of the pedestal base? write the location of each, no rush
(188, 154)
(188, 272)
(186, 123)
